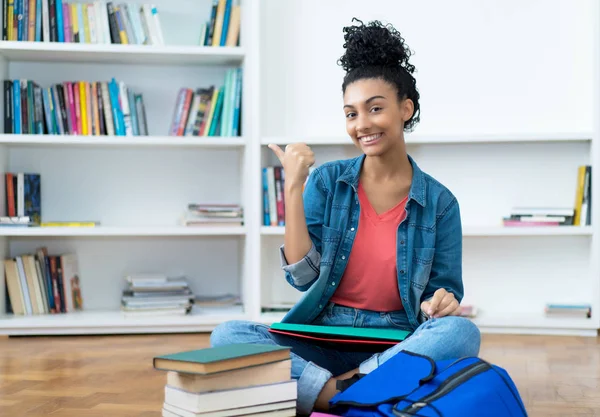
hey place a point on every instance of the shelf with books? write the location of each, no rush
(121, 54)
(112, 322)
(123, 231)
(441, 139)
(15, 140)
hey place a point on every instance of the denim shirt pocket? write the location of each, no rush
(330, 239)
(422, 261)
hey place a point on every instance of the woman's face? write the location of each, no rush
(374, 116)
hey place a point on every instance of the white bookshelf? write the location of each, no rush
(495, 145)
(138, 186)
(489, 130)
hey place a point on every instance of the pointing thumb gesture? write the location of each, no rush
(296, 160)
(277, 151)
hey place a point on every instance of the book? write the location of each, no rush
(231, 399)
(278, 409)
(341, 334)
(269, 373)
(221, 358)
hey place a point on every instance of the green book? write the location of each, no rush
(342, 333)
(221, 358)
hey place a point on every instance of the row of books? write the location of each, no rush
(73, 108)
(231, 380)
(212, 111)
(40, 283)
(156, 294)
(23, 199)
(213, 215)
(223, 27)
(73, 22)
(273, 181)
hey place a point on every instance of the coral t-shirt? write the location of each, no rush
(370, 281)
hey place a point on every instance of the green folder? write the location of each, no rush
(342, 333)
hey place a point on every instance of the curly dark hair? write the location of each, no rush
(379, 51)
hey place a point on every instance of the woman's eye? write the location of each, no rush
(376, 108)
(349, 115)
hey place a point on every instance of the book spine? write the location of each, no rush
(52, 13)
(45, 21)
(60, 34)
(8, 106)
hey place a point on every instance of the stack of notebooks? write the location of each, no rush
(156, 294)
(231, 380)
(213, 215)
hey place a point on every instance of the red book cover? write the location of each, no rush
(10, 195)
(335, 339)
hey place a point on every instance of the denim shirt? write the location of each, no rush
(428, 241)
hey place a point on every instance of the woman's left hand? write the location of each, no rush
(441, 304)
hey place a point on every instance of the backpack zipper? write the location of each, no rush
(451, 383)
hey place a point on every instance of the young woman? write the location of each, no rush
(373, 241)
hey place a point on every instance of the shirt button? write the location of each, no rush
(343, 257)
(402, 271)
(333, 283)
(320, 306)
(402, 242)
(352, 229)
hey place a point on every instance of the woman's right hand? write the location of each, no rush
(296, 159)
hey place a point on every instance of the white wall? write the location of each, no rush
(494, 65)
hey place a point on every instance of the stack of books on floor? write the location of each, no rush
(575, 311)
(156, 294)
(230, 380)
(540, 216)
(213, 215)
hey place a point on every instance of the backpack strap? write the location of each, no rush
(395, 378)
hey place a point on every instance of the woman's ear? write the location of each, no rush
(407, 108)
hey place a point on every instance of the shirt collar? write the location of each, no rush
(417, 188)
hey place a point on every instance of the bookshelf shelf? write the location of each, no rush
(528, 231)
(474, 231)
(108, 322)
(118, 141)
(416, 139)
(535, 323)
(123, 231)
(120, 54)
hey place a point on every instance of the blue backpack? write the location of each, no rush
(409, 385)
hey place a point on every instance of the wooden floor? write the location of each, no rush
(113, 375)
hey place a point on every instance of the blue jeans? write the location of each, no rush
(313, 364)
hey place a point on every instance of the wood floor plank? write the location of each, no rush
(113, 375)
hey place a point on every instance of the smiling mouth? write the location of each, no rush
(370, 138)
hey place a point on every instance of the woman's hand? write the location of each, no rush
(296, 160)
(441, 304)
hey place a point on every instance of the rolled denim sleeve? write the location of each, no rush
(302, 274)
(446, 270)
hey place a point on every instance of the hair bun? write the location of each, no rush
(374, 45)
